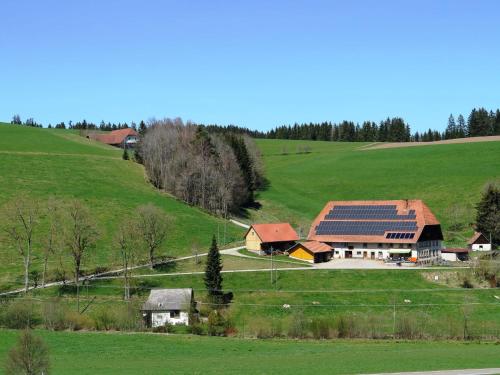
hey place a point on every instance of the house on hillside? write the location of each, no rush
(168, 306)
(385, 230)
(264, 237)
(455, 254)
(311, 251)
(479, 242)
(123, 138)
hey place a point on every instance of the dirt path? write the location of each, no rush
(382, 145)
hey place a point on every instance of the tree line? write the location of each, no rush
(218, 171)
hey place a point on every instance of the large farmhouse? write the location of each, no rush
(397, 229)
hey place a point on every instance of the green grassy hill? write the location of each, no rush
(444, 176)
(115, 353)
(60, 163)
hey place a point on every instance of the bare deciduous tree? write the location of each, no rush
(52, 239)
(30, 356)
(22, 218)
(126, 240)
(80, 236)
(152, 224)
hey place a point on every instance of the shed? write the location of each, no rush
(311, 251)
(455, 254)
(171, 306)
(263, 237)
(479, 242)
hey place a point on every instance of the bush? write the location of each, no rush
(298, 326)
(345, 326)
(196, 329)
(167, 328)
(321, 328)
(54, 315)
(20, 314)
(406, 328)
(465, 280)
(217, 324)
(104, 320)
(76, 321)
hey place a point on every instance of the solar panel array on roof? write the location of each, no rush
(368, 212)
(400, 236)
(374, 228)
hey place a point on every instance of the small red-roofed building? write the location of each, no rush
(479, 242)
(264, 237)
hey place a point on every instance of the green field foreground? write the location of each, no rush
(116, 353)
(443, 176)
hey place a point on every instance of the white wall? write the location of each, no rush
(451, 257)
(162, 317)
(481, 247)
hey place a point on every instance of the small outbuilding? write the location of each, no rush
(311, 251)
(264, 237)
(168, 306)
(479, 242)
(455, 254)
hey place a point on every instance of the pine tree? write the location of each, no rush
(461, 128)
(213, 277)
(488, 213)
(125, 154)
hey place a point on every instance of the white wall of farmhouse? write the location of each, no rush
(422, 251)
(160, 318)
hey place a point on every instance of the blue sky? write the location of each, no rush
(255, 63)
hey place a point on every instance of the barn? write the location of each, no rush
(311, 251)
(392, 230)
(264, 237)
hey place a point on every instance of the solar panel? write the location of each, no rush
(364, 227)
(405, 236)
(386, 212)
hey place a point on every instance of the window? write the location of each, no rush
(480, 246)
(391, 245)
(380, 245)
(175, 314)
(358, 252)
(336, 251)
(365, 246)
(409, 246)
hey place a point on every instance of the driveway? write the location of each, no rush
(350, 263)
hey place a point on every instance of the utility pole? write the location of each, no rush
(394, 318)
(272, 266)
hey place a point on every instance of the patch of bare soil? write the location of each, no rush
(381, 145)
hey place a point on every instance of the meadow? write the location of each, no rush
(448, 178)
(62, 164)
(117, 353)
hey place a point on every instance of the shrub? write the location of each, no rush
(104, 320)
(406, 328)
(345, 326)
(217, 324)
(321, 328)
(20, 314)
(298, 326)
(54, 315)
(76, 321)
(196, 329)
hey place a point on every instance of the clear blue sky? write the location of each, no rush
(253, 63)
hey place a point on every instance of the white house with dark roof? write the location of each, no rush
(168, 306)
(479, 242)
(395, 229)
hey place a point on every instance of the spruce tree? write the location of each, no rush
(125, 154)
(488, 213)
(213, 277)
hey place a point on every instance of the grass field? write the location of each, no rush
(440, 175)
(115, 353)
(60, 163)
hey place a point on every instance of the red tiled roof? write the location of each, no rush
(279, 232)
(423, 214)
(315, 246)
(116, 136)
(455, 250)
(477, 236)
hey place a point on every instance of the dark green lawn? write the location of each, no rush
(440, 175)
(115, 353)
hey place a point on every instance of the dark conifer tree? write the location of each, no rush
(125, 154)
(213, 276)
(488, 213)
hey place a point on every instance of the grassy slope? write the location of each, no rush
(83, 353)
(442, 176)
(60, 163)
